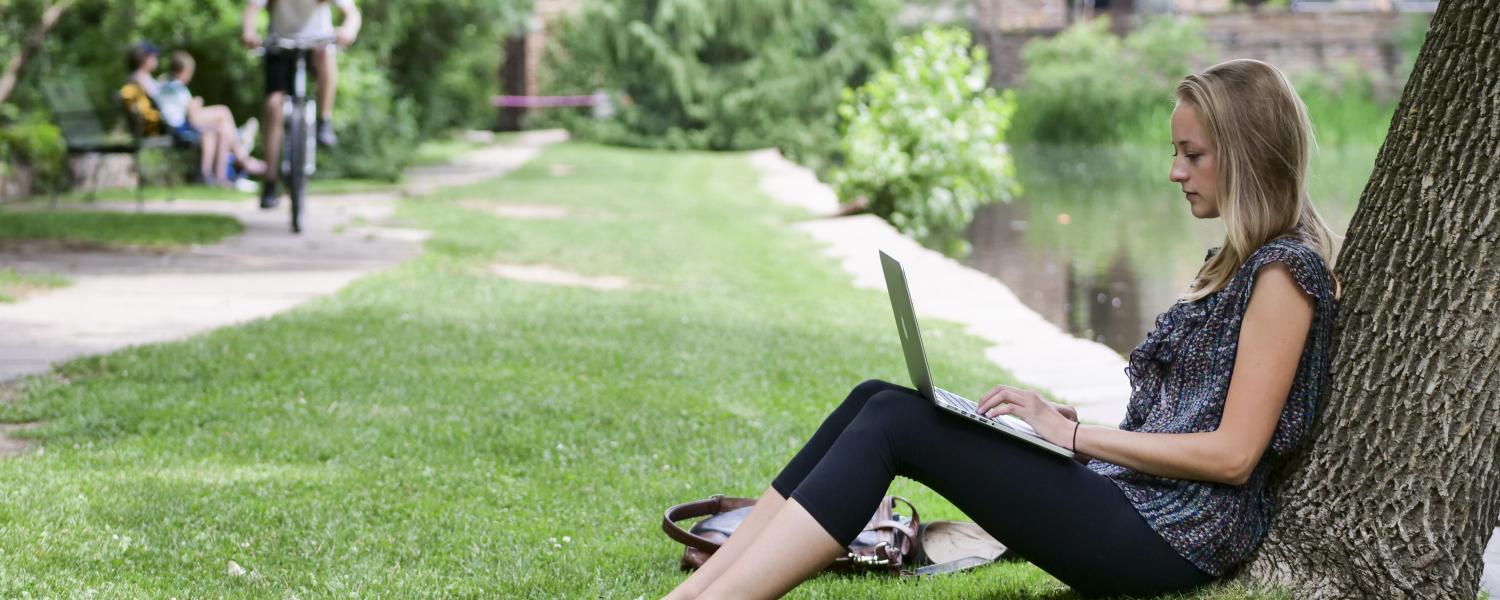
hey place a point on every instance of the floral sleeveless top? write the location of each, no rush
(1179, 379)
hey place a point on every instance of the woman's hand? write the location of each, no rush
(1053, 422)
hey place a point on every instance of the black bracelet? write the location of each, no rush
(1075, 437)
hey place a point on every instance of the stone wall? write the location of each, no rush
(1300, 42)
(1297, 42)
(96, 171)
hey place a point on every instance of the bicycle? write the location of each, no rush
(299, 150)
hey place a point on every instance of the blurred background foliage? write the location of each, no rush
(719, 75)
(684, 74)
(923, 142)
(419, 67)
(1088, 86)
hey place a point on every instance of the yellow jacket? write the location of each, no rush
(138, 103)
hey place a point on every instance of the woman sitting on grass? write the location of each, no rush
(1225, 388)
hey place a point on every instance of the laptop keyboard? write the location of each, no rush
(956, 401)
(969, 406)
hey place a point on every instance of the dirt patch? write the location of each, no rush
(521, 211)
(14, 446)
(554, 276)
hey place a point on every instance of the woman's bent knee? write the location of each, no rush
(862, 393)
(899, 406)
(870, 387)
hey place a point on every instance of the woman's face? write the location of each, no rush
(1194, 165)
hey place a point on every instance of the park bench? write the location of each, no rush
(83, 133)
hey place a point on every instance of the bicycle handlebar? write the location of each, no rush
(276, 44)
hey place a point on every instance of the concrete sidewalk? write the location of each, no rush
(124, 298)
(121, 298)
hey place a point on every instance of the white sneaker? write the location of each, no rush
(248, 133)
(244, 184)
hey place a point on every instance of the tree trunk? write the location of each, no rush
(1399, 492)
(29, 46)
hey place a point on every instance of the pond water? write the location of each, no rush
(1100, 241)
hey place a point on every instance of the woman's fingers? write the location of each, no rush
(1003, 409)
(991, 397)
(1006, 398)
(1010, 399)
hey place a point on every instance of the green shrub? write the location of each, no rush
(718, 75)
(1088, 86)
(444, 55)
(378, 129)
(924, 141)
(38, 144)
(1345, 107)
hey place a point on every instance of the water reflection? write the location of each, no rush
(1100, 241)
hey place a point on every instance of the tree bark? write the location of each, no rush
(1399, 492)
(28, 47)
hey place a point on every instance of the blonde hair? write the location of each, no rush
(1258, 129)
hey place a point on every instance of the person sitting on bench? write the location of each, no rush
(212, 126)
(139, 91)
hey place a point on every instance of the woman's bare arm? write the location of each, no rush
(1272, 336)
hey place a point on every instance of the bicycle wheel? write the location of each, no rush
(296, 153)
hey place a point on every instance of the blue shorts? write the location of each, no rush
(185, 133)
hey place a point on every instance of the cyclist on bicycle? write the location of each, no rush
(298, 20)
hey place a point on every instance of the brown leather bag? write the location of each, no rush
(888, 542)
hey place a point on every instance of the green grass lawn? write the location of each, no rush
(449, 147)
(435, 430)
(117, 229)
(14, 285)
(206, 192)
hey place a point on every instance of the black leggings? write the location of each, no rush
(1072, 522)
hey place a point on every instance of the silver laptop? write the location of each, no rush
(921, 376)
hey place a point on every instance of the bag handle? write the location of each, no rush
(712, 505)
(912, 507)
(909, 529)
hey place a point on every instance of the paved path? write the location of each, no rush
(480, 165)
(1085, 373)
(124, 298)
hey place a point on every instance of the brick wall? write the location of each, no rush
(523, 58)
(1301, 42)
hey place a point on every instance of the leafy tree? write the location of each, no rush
(720, 75)
(924, 141)
(1086, 85)
(419, 67)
